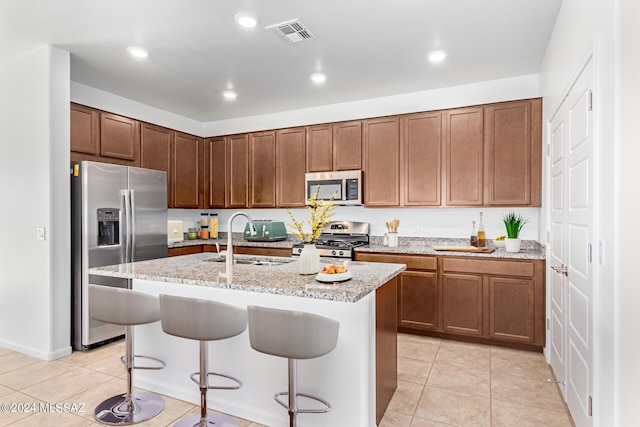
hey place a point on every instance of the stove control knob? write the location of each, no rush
(333, 252)
(341, 253)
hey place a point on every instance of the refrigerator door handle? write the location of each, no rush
(132, 220)
(127, 220)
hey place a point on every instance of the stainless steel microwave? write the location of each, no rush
(345, 186)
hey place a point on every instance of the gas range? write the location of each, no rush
(339, 239)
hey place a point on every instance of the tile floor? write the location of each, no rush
(440, 383)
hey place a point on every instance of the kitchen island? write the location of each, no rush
(358, 377)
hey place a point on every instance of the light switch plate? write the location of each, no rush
(41, 233)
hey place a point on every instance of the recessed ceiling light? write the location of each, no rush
(437, 56)
(229, 94)
(318, 78)
(246, 21)
(138, 52)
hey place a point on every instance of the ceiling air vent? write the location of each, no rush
(293, 31)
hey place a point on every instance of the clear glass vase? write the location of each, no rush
(309, 259)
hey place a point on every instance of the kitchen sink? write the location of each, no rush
(263, 262)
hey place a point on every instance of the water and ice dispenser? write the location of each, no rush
(108, 226)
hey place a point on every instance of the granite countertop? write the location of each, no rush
(424, 246)
(278, 280)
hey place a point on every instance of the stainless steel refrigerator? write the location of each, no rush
(118, 215)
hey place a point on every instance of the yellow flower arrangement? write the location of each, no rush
(320, 211)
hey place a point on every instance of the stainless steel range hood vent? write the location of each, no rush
(293, 31)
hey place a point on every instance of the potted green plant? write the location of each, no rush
(513, 223)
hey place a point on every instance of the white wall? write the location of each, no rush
(34, 171)
(627, 207)
(584, 27)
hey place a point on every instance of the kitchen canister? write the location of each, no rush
(213, 226)
(393, 240)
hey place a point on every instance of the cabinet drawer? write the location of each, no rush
(481, 266)
(413, 262)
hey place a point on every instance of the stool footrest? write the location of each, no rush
(195, 377)
(161, 364)
(285, 405)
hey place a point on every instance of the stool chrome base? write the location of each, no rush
(217, 420)
(114, 412)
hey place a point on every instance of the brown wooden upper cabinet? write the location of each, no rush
(334, 147)
(155, 151)
(381, 162)
(290, 167)
(262, 148)
(215, 182)
(463, 156)
(103, 137)
(85, 130)
(513, 150)
(237, 189)
(421, 159)
(186, 171)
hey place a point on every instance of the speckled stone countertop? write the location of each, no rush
(424, 246)
(281, 279)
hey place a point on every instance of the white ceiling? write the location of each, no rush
(367, 48)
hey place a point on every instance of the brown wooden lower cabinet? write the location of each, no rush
(243, 250)
(185, 250)
(487, 300)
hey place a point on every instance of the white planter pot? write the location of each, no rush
(309, 262)
(512, 245)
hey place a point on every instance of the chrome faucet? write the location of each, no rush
(229, 257)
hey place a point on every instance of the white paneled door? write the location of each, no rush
(571, 231)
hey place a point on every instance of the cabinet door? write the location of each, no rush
(421, 144)
(382, 162)
(186, 171)
(463, 160)
(511, 309)
(319, 148)
(347, 146)
(462, 303)
(290, 167)
(238, 171)
(85, 130)
(155, 150)
(119, 138)
(263, 170)
(513, 153)
(418, 300)
(215, 154)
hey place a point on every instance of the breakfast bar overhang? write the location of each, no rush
(358, 377)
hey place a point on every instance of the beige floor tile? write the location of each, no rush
(23, 406)
(525, 364)
(33, 374)
(82, 358)
(12, 361)
(395, 419)
(110, 366)
(541, 394)
(418, 348)
(5, 390)
(58, 389)
(508, 414)
(5, 351)
(421, 422)
(451, 407)
(406, 397)
(52, 419)
(420, 338)
(413, 370)
(460, 379)
(465, 355)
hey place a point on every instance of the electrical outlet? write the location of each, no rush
(417, 230)
(41, 233)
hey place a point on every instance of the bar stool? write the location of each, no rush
(203, 320)
(293, 335)
(127, 307)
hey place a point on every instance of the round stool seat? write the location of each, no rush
(291, 334)
(122, 306)
(200, 319)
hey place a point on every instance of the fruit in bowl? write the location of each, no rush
(334, 269)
